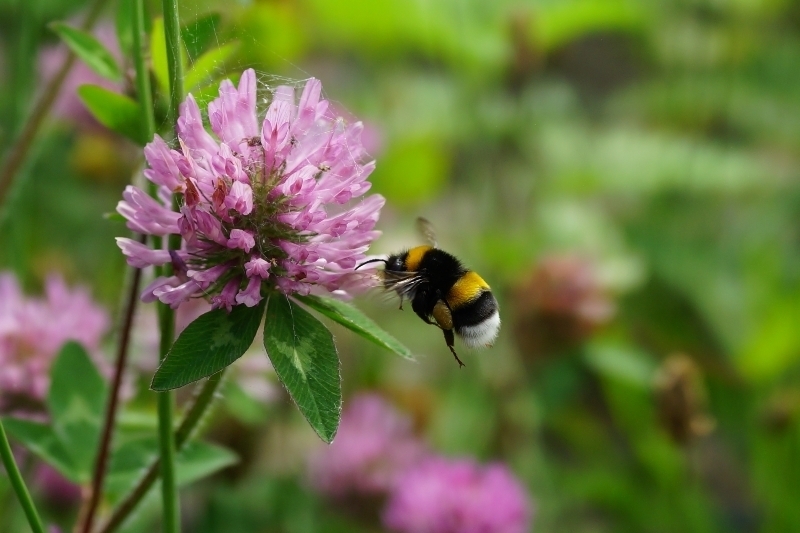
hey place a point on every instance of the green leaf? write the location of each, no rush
(559, 23)
(209, 344)
(76, 402)
(90, 50)
(124, 23)
(354, 320)
(128, 462)
(243, 407)
(45, 444)
(200, 459)
(74, 378)
(114, 111)
(622, 363)
(770, 349)
(414, 170)
(199, 33)
(209, 65)
(113, 216)
(196, 461)
(305, 359)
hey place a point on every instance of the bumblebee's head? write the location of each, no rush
(395, 263)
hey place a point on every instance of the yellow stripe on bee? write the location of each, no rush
(466, 289)
(414, 257)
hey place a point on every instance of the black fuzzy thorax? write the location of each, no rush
(438, 272)
(441, 269)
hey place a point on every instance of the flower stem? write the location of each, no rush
(188, 426)
(169, 489)
(171, 521)
(18, 484)
(101, 464)
(172, 34)
(199, 409)
(19, 151)
(143, 90)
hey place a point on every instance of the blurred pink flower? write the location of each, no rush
(68, 106)
(559, 304)
(458, 496)
(32, 331)
(55, 488)
(261, 206)
(375, 444)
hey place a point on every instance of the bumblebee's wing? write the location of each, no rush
(402, 283)
(426, 229)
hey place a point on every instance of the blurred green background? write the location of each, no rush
(625, 176)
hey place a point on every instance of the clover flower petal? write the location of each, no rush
(272, 203)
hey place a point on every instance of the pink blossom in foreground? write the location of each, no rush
(33, 330)
(458, 496)
(371, 135)
(374, 445)
(265, 203)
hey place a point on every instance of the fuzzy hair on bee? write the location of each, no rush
(443, 292)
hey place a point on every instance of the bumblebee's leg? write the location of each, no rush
(449, 338)
(429, 321)
(401, 302)
(420, 310)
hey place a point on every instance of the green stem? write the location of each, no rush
(199, 409)
(171, 521)
(19, 150)
(169, 492)
(189, 425)
(172, 33)
(144, 91)
(18, 483)
(169, 489)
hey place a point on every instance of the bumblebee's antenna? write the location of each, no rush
(384, 261)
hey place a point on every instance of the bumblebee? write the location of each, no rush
(443, 292)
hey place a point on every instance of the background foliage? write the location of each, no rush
(655, 142)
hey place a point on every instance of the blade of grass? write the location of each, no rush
(18, 483)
